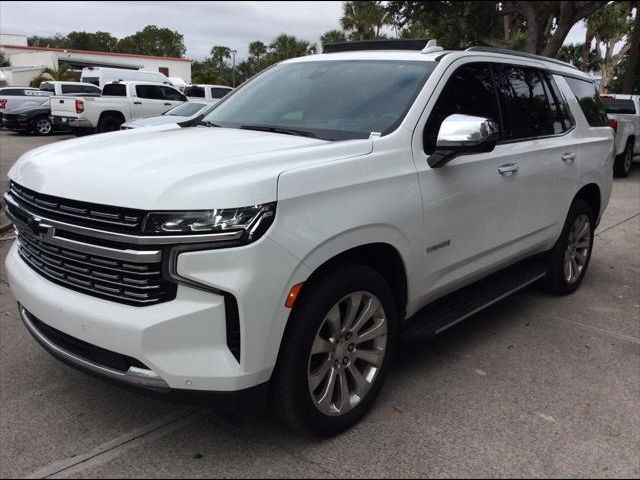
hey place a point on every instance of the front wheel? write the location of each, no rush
(336, 351)
(568, 261)
(42, 126)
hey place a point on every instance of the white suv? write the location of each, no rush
(275, 252)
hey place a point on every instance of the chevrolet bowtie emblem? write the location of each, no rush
(38, 228)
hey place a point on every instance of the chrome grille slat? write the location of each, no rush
(89, 214)
(142, 285)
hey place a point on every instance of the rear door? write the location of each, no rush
(539, 131)
(172, 97)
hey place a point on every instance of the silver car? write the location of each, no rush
(181, 113)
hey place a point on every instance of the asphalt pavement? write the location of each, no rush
(534, 386)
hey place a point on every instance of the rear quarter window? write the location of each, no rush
(589, 100)
(115, 90)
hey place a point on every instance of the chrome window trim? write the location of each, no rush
(127, 238)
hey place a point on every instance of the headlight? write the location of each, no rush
(253, 221)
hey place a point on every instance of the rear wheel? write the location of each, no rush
(110, 123)
(568, 261)
(622, 165)
(42, 126)
(336, 352)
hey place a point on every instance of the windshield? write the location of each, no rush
(331, 100)
(186, 109)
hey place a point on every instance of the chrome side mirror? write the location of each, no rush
(463, 134)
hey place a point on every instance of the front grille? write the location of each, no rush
(124, 282)
(91, 215)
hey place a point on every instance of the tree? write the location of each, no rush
(152, 40)
(363, 18)
(62, 73)
(333, 36)
(4, 60)
(535, 27)
(631, 78)
(574, 54)
(98, 41)
(257, 50)
(287, 46)
(609, 26)
(57, 41)
(219, 55)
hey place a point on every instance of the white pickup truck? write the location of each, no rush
(207, 92)
(624, 115)
(14, 97)
(119, 103)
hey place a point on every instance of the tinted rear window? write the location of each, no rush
(614, 105)
(194, 91)
(115, 90)
(11, 92)
(219, 92)
(589, 100)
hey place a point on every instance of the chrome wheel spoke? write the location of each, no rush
(373, 357)
(326, 397)
(581, 258)
(316, 378)
(320, 345)
(378, 329)
(333, 319)
(368, 311)
(361, 384)
(345, 397)
(583, 244)
(353, 305)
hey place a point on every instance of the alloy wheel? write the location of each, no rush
(577, 252)
(43, 126)
(347, 353)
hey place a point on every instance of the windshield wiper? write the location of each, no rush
(207, 123)
(284, 130)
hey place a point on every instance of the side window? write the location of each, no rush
(150, 92)
(173, 95)
(217, 92)
(526, 110)
(589, 100)
(10, 92)
(115, 90)
(71, 89)
(559, 104)
(194, 91)
(469, 91)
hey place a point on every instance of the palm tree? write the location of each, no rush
(219, 54)
(60, 74)
(333, 36)
(364, 18)
(257, 49)
(287, 46)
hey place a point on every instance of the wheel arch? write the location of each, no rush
(591, 194)
(111, 113)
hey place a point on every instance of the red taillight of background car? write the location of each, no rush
(613, 123)
(79, 106)
(3, 103)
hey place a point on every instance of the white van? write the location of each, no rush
(101, 76)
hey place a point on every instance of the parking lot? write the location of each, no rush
(535, 386)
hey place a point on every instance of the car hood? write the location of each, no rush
(174, 169)
(161, 120)
(28, 107)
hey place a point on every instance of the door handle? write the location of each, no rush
(168, 104)
(137, 103)
(569, 158)
(508, 169)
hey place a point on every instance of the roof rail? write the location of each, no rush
(515, 53)
(395, 44)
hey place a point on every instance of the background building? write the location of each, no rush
(27, 62)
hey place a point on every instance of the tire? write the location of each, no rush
(42, 126)
(564, 276)
(109, 123)
(622, 164)
(293, 398)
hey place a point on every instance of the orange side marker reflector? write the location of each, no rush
(293, 295)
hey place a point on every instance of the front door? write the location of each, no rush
(470, 207)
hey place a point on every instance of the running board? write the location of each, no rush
(455, 307)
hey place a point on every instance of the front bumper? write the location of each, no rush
(182, 342)
(15, 123)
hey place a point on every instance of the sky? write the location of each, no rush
(203, 24)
